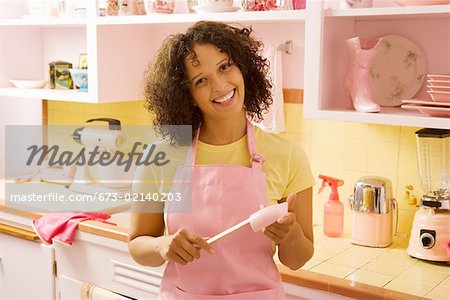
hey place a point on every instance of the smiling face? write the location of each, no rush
(215, 82)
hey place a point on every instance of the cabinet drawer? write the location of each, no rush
(107, 264)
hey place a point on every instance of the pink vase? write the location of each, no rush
(356, 84)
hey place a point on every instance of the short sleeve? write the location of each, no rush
(300, 175)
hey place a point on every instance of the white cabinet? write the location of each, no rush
(105, 263)
(26, 269)
(326, 57)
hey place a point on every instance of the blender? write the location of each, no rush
(430, 232)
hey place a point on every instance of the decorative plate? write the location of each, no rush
(443, 112)
(397, 72)
(215, 9)
(439, 96)
(426, 103)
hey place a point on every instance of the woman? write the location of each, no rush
(213, 78)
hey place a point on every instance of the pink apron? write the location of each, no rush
(242, 266)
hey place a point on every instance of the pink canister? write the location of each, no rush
(299, 4)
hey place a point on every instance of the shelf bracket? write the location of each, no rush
(287, 47)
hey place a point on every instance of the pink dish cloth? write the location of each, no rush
(62, 226)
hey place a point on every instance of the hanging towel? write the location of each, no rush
(92, 292)
(274, 119)
(62, 226)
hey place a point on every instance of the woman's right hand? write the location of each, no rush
(182, 247)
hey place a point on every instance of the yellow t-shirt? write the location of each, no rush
(286, 165)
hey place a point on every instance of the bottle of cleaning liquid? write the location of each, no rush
(333, 210)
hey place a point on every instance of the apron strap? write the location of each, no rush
(256, 159)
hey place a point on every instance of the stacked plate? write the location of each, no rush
(438, 87)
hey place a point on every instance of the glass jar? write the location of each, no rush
(262, 5)
(125, 7)
(138, 7)
(112, 7)
(191, 4)
(160, 6)
(131, 7)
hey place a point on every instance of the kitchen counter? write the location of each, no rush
(379, 270)
(337, 265)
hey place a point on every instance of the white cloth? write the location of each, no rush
(274, 119)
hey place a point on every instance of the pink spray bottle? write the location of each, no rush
(333, 210)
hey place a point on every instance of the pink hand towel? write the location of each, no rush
(63, 225)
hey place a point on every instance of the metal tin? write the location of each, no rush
(372, 195)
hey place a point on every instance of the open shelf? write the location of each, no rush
(44, 22)
(48, 94)
(239, 16)
(401, 12)
(388, 115)
(327, 57)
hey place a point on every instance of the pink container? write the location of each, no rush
(299, 4)
(333, 218)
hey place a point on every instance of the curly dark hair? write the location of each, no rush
(167, 94)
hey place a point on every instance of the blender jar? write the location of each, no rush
(433, 157)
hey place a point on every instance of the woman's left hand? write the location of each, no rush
(280, 230)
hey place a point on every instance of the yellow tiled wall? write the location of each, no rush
(339, 149)
(349, 151)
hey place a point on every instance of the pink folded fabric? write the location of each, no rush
(62, 226)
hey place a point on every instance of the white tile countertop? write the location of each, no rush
(390, 268)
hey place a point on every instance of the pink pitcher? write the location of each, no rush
(357, 86)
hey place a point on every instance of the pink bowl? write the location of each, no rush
(421, 2)
(440, 96)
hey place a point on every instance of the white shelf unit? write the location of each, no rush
(119, 48)
(326, 57)
(239, 16)
(383, 13)
(29, 45)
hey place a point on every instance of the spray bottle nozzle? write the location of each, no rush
(333, 183)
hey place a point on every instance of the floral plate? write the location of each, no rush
(397, 72)
(426, 103)
(432, 111)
